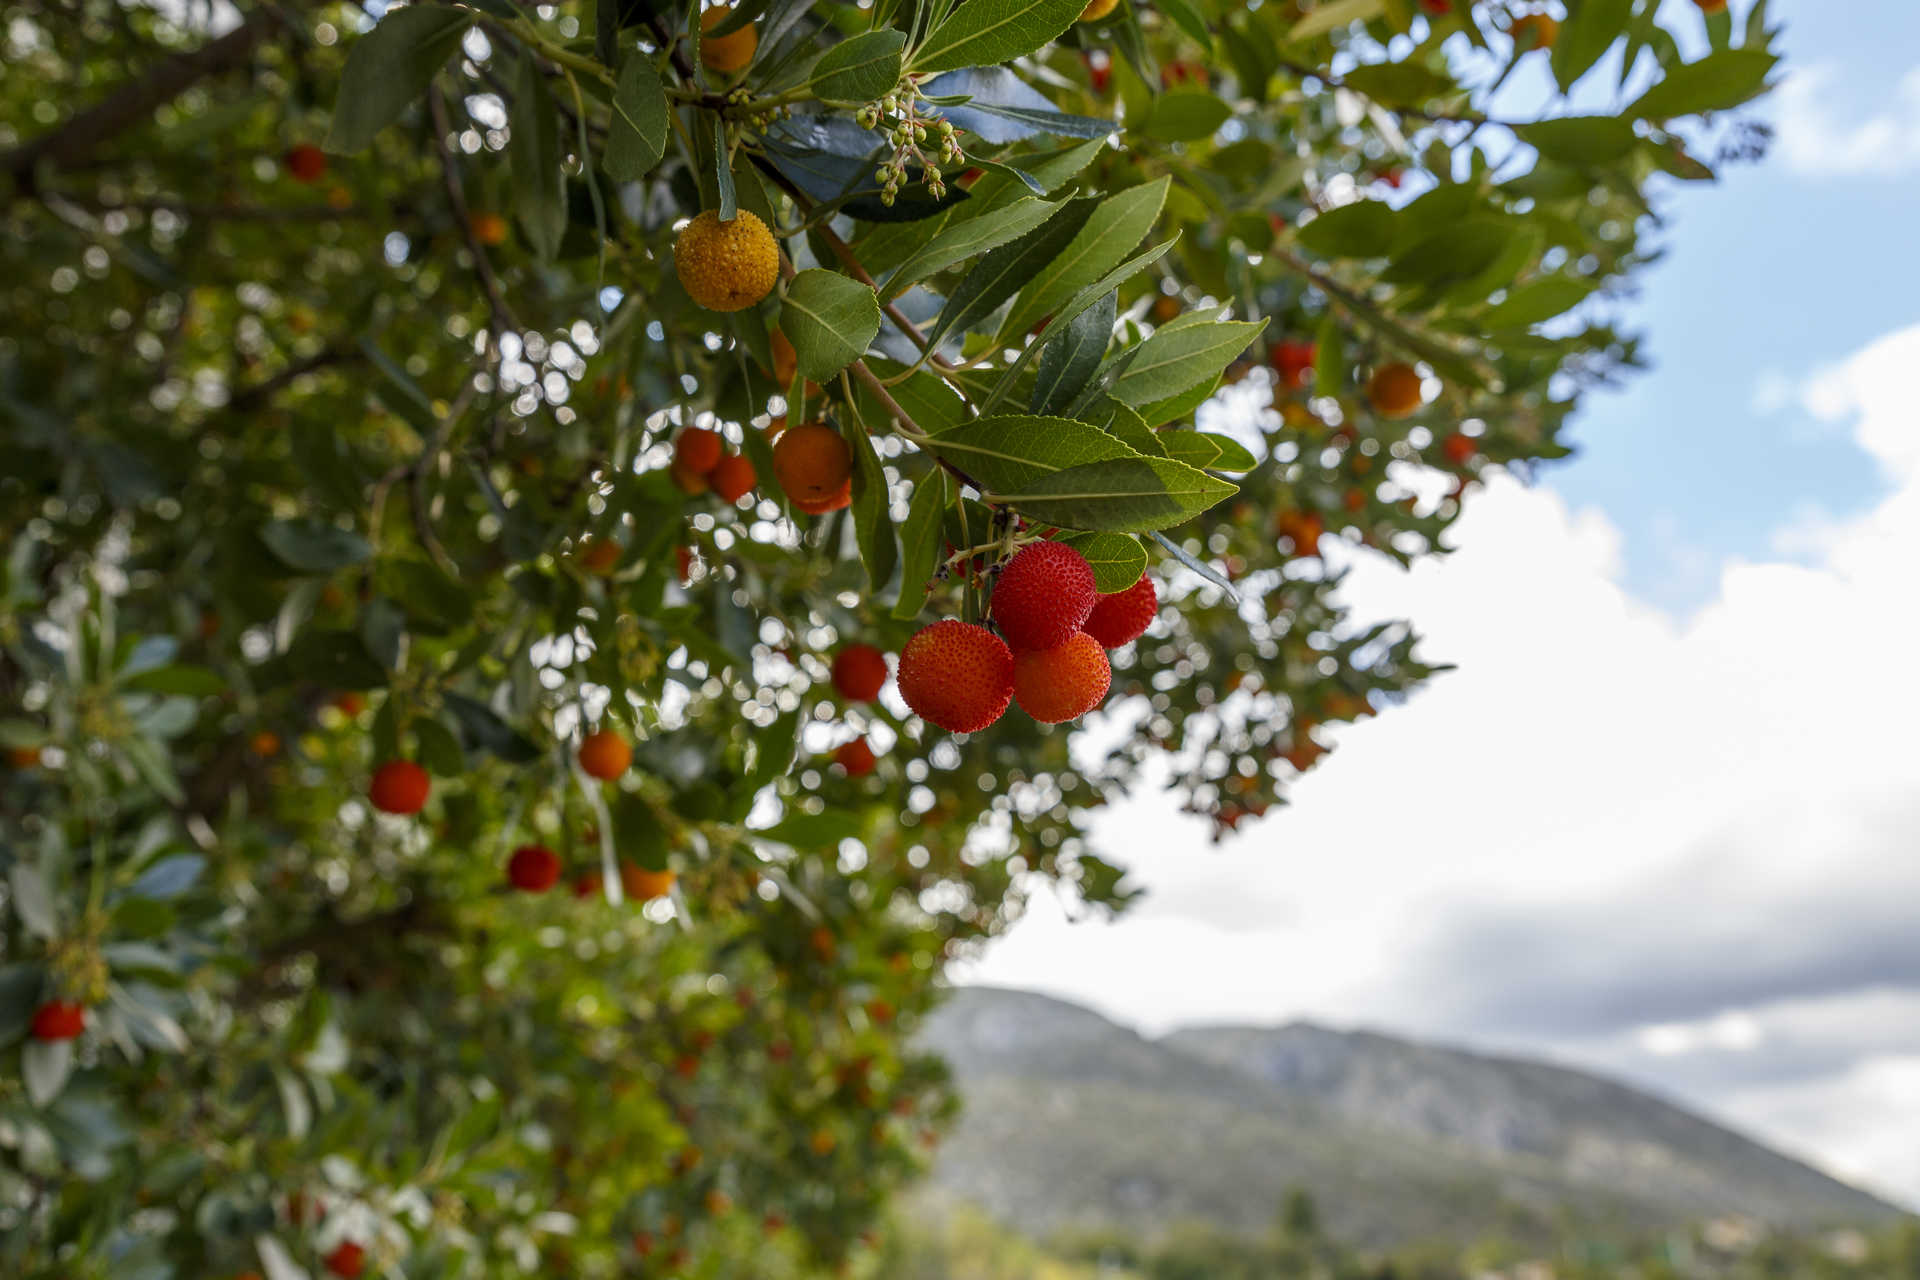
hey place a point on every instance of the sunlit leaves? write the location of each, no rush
(638, 124)
(389, 67)
(830, 319)
(861, 68)
(985, 32)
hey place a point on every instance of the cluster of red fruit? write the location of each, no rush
(701, 462)
(1053, 660)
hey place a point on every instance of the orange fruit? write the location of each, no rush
(605, 755)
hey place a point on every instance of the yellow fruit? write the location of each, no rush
(729, 53)
(726, 266)
(1098, 9)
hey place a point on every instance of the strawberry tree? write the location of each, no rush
(553, 554)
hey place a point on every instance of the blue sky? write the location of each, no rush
(1771, 274)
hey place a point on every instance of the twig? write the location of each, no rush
(456, 196)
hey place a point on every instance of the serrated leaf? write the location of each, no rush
(389, 67)
(1110, 233)
(1069, 358)
(313, 547)
(967, 237)
(829, 319)
(539, 177)
(1364, 229)
(1333, 14)
(1006, 270)
(1118, 559)
(1718, 82)
(1121, 495)
(639, 126)
(872, 519)
(920, 541)
(860, 69)
(1173, 360)
(986, 32)
(1190, 447)
(1011, 451)
(1580, 140)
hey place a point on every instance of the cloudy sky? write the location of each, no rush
(1665, 819)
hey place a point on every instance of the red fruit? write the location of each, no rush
(733, 477)
(306, 162)
(1438, 8)
(589, 884)
(605, 755)
(1062, 683)
(1458, 449)
(855, 757)
(58, 1020)
(1043, 596)
(1293, 361)
(399, 786)
(347, 1259)
(350, 704)
(533, 868)
(1392, 178)
(697, 451)
(957, 675)
(832, 502)
(1122, 616)
(859, 672)
(683, 560)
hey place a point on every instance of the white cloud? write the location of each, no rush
(1606, 820)
(1819, 137)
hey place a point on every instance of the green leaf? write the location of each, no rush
(1110, 234)
(920, 541)
(485, 731)
(1006, 270)
(33, 901)
(1069, 358)
(1125, 424)
(1122, 495)
(1591, 27)
(20, 986)
(184, 681)
(820, 830)
(539, 179)
(829, 319)
(1718, 82)
(383, 629)
(982, 33)
(1190, 447)
(440, 751)
(860, 69)
(1189, 20)
(1176, 359)
(962, 240)
(389, 67)
(45, 1066)
(1334, 13)
(1399, 83)
(1118, 559)
(1364, 229)
(872, 519)
(1580, 140)
(312, 547)
(1010, 451)
(638, 129)
(1538, 300)
(1186, 115)
(1456, 252)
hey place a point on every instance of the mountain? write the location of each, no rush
(1074, 1122)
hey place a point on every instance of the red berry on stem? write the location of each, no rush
(399, 786)
(58, 1020)
(1043, 596)
(859, 672)
(1062, 683)
(1122, 616)
(533, 868)
(855, 757)
(956, 675)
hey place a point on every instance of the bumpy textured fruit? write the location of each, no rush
(306, 162)
(1043, 596)
(1394, 390)
(855, 757)
(1062, 683)
(956, 675)
(859, 672)
(58, 1020)
(728, 53)
(533, 868)
(698, 449)
(605, 755)
(1098, 9)
(399, 786)
(642, 884)
(732, 478)
(1535, 31)
(347, 1260)
(843, 496)
(726, 266)
(1122, 616)
(812, 463)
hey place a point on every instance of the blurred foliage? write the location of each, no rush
(317, 460)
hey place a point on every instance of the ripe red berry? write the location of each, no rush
(399, 786)
(1062, 683)
(347, 1260)
(732, 478)
(1043, 596)
(859, 672)
(1122, 616)
(855, 757)
(58, 1020)
(1458, 449)
(1293, 359)
(306, 162)
(697, 450)
(533, 868)
(956, 675)
(605, 755)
